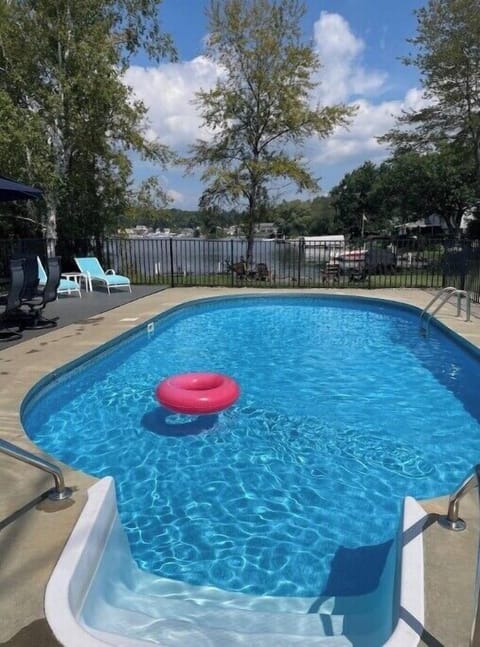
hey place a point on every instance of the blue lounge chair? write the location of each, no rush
(92, 268)
(66, 286)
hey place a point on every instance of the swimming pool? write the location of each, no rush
(345, 408)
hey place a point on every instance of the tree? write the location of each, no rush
(291, 218)
(448, 57)
(259, 112)
(147, 206)
(305, 218)
(323, 219)
(413, 186)
(71, 117)
(407, 186)
(355, 202)
(210, 221)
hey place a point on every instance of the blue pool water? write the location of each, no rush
(296, 490)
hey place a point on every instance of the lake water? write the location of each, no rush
(157, 256)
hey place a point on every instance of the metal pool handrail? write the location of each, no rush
(60, 491)
(452, 521)
(445, 295)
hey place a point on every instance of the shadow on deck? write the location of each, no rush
(72, 309)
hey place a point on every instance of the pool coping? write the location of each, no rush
(34, 539)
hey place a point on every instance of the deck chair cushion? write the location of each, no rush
(90, 265)
(66, 286)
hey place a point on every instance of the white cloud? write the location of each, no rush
(176, 196)
(371, 121)
(415, 100)
(169, 89)
(345, 79)
(342, 74)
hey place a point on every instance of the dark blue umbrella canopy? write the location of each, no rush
(13, 190)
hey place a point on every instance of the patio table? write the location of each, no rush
(79, 277)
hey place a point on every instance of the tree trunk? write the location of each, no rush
(51, 224)
(250, 227)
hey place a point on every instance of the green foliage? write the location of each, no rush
(356, 202)
(411, 186)
(71, 119)
(210, 219)
(447, 53)
(147, 206)
(259, 112)
(306, 218)
(408, 186)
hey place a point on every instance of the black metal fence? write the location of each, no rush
(378, 263)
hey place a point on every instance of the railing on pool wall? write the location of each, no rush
(452, 521)
(60, 492)
(443, 297)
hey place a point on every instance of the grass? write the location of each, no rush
(414, 279)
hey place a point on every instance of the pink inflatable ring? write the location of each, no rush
(197, 393)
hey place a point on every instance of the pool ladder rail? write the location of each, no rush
(443, 297)
(452, 521)
(60, 492)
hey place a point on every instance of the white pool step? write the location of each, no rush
(147, 607)
(97, 596)
(143, 621)
(164, 588)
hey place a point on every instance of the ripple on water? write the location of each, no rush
(344, 410)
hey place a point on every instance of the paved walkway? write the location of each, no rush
(33, 530)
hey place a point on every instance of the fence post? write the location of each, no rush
(367, 258)
(232, 263)
(301, 250)
(172, 281)
(107, 243)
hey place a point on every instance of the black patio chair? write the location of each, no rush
(33, 317)
(30, 278)
(330, 274)
(262, 272)
(238, 269)
(9, 317)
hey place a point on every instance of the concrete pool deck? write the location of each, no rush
(33, 530)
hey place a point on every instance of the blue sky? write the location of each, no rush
(359, 43)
